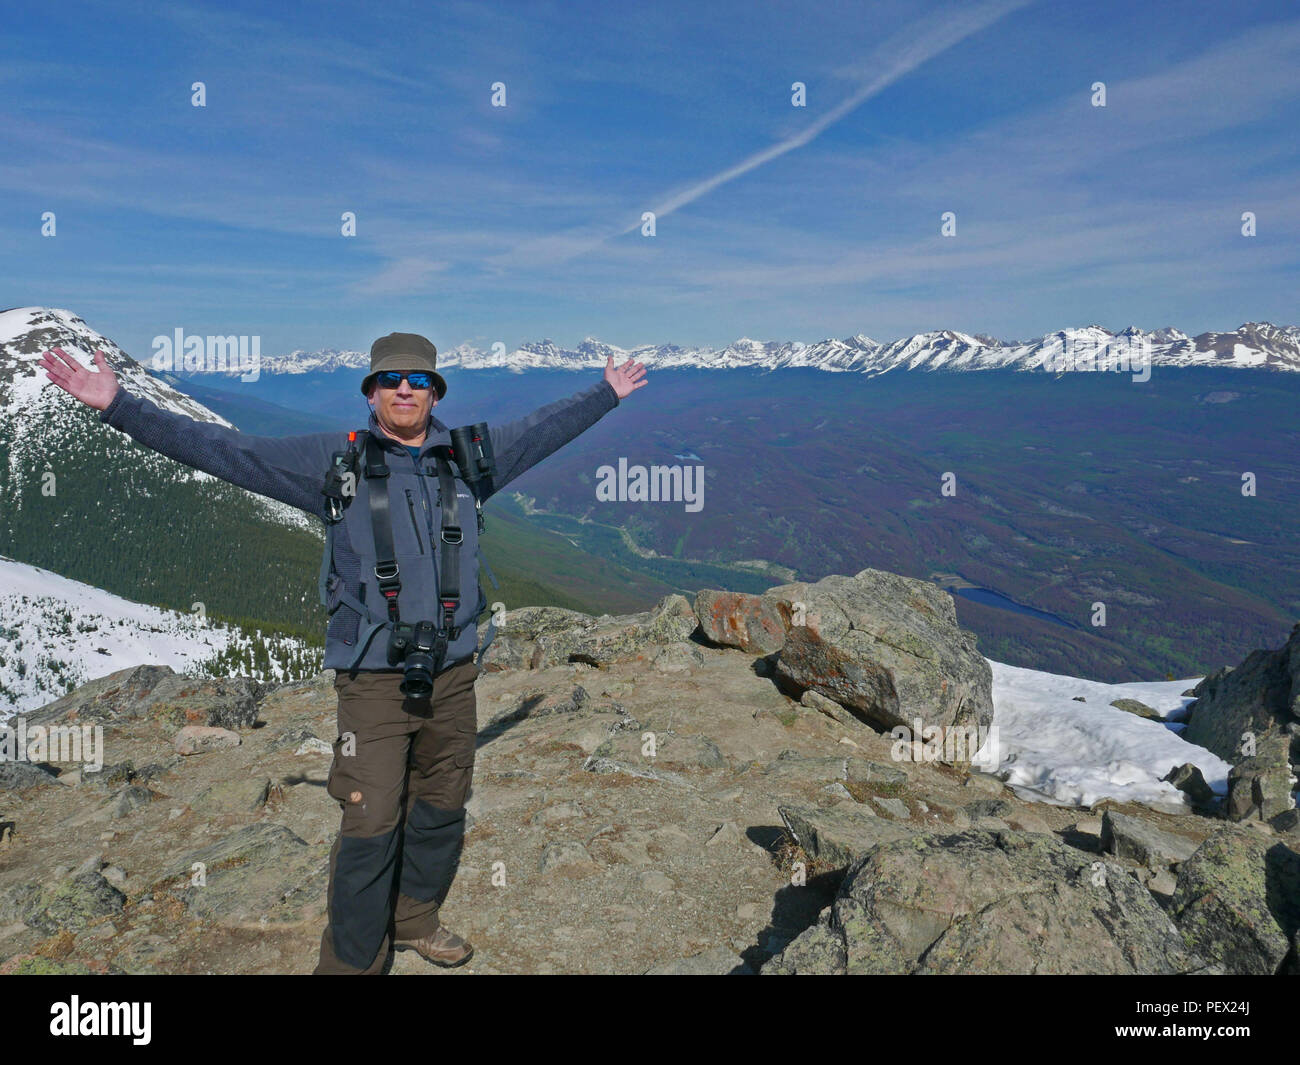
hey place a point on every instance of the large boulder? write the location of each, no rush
(157, 693)
(517, 635)
(103, 699)
(753, 623)
(1260, 695)
(840, 835)
(1259, 787)
(622, 638)
(1237, 901)
(988, 902)
(886, 647)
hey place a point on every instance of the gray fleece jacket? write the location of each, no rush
(292, 469)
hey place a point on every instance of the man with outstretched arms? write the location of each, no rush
(401, 506)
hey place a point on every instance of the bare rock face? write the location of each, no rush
(260, 874)
(157, 693)
(1259, 787)
(513, 643)
(886, 647)
(987, 902)
(539, 637)
(105, 698)
(1238, 901)
(1260, 695)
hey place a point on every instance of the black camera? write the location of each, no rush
(414, 645)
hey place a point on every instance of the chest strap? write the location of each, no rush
(387, 572)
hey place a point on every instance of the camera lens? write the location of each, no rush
(417, 681)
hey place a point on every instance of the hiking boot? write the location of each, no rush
(442, 947)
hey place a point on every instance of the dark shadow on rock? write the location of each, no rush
(794, 909)
(508, 720)
(1282, 897)
(1081, 841)
(769, 837)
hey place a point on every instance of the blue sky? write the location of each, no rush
(480, 224)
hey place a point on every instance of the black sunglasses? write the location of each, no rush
(392, 379)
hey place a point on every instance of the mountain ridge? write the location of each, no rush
(1251, 345)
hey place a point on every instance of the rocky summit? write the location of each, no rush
(710, 787)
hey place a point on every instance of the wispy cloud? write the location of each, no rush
(773, 220)
(894, 59)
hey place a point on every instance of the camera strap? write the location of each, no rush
(381, 523)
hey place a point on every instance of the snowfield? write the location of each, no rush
(1076, 753)
(54, 631)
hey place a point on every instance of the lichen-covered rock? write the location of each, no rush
(104, 699)
(68, 905)
(819, 951)
(1237, 901)
(1135, 839)
(887, 647)
(840, 835)
(158, 693)
(515, 639)
(737, 619)
(988, 902)
(259, 875)
(623, 638)
(539, 637)
(1259, 787)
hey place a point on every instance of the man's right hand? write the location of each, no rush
(93, 389)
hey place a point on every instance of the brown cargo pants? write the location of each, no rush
(401, 775)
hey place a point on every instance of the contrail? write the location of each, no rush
(927, 42)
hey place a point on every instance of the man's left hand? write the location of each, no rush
(624, 379)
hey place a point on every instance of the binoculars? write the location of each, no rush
(471, 447)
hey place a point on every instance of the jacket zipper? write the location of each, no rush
(428, 520)
(410, 505)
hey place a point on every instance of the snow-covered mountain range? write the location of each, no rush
(1253, 345)
(28, 331)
